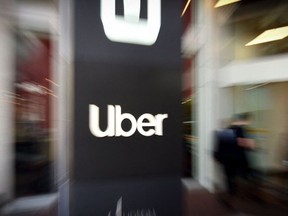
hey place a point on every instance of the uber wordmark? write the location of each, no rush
(147, 124)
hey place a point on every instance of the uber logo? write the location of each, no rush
(116, 117)
(130, 28)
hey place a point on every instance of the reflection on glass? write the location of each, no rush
(32, 114)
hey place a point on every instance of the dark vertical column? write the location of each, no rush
(127, 108)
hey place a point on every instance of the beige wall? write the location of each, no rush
(279, 122)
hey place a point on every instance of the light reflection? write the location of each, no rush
(270, 35)
(221, 3)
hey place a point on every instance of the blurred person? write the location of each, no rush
(244, 143)
(232, 144)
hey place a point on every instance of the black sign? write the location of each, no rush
(127, 107)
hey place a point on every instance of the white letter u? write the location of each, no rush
(94, 121)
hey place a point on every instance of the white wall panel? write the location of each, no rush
(268, 69)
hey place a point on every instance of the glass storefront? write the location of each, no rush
(33, 92)
(252, 46)
(269, 127)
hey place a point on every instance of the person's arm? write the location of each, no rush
(243, 141)
(246, 142)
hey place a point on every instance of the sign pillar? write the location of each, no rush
(126, 155)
